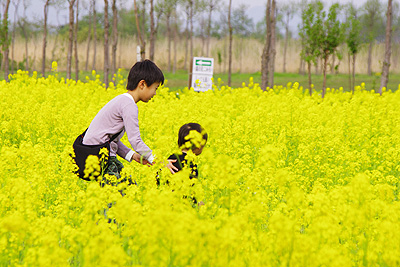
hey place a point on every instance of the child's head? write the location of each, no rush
(192, 136)
(144, 70)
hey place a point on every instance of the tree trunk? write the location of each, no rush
(13, 36)
(5, 40)
(302, 62)
(25, 35)
(169, 40)
(187, 38)
(388, 48)
(273, 44)
(354, 72)
(372, 13)
(265, 58)
(141, 37)
(70, 37)
(76, 42)
(203, 37)
(325, 62)
(115, 38)
(46, 10)
(191, 28)
(285, 47)
(106, 31)
(230, 44)
(143, 23)
(152, 31)
(350, 83)
(370, 57)
(94, 35)
(175, 30)
(55, 44)
(209, 30)
(89, 36)
(309, 77)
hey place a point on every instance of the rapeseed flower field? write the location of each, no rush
(286, 179)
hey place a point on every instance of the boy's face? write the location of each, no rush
(148, 92)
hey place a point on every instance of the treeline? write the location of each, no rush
(322, 30)
(110, 21)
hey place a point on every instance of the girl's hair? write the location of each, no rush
(185, 130)
(144, 70)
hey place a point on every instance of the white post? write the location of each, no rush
(138, 55)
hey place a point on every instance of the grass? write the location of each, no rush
(179, 80)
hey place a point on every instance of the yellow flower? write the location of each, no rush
(54, 66)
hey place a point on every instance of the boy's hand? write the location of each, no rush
(171, 166)
(139, 159)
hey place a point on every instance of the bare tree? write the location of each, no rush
(169, 9)
(273, 43)
(152, 30)
(45, 12)
(94, 34)
(16, 5)
(388, 48)
(70, 37)
(115, 38)
(187, 37)
(372, 14)
(106, 31)
(89, 35)
(230, 44)
(266, 55)
(140, 33)
(76, 42)
(58, 6)
(211, 5)
(287, 12)
(191, 7)
(175, 32)
(302, 5)
(5, 40)
(25, 32)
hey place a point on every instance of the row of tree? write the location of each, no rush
(150, 20)
(322, 31)
(173, 18)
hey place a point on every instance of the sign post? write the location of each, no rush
(202, 72)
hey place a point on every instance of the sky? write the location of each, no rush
(255, 8)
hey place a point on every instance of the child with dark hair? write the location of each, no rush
(120, 115)
(193, 137)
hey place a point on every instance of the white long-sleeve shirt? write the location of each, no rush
(121, 113)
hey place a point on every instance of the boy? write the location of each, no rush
(120, 115)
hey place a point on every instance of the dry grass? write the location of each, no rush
(246, 55)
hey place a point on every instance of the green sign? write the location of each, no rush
(203, 62)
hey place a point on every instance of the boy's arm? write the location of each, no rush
(129, 155)
(124, 151)
(131, 124)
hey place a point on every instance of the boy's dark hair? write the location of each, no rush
(144, 70)
(185, 130)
